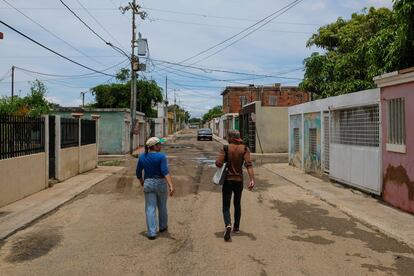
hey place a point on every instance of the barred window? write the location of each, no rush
(296, 138)
(396, 121)
(273, 100)
(356, 126)
(313, 141)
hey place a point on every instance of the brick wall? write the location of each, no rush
(284, 96)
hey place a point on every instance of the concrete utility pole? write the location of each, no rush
(83, 98)
(135, 8)
(166, 106)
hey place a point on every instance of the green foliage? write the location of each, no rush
(35, 104)
(214, 112)
(118, 95)
(356, 50)
(195, 120)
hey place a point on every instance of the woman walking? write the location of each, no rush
(157, 184)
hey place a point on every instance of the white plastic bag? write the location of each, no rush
(220, 175)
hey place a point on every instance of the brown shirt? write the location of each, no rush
(238, 154)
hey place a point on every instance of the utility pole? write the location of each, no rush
(83, 98)
(175, 112)
(12, 83)
(166, 106)
(135, 8)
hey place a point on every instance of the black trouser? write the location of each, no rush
(230, 187)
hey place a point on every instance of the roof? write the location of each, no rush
(395, 78)
(251, 86)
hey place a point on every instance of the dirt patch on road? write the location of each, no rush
(34, 245)
(311, 217)
(312, 239)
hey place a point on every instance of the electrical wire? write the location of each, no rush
(224, 26)
(6, 75)
(92, 30)
(231, 72)
(289, 7)
(53, 51)
(271, 16)
(53, 34)
(99, 23)
(67, 76)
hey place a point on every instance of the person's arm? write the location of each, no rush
(139, 172)
(166, 173)
(249, 165)
(220, 159)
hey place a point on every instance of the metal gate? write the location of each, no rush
(52, 157)
(326, 134)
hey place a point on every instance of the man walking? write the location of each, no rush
(237, 155)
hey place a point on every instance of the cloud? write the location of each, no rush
(269, 51)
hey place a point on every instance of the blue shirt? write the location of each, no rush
(154, 165)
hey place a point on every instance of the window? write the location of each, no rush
(243, 100)
(312, 141)
(273, 100)
(396, 125)
(356, 126)
(296, 139)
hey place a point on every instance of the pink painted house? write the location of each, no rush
(397, 113)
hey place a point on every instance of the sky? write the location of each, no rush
(176, 31)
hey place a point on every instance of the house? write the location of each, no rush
(236, 97)
(397, 101)
(339, 136)
(114, 127)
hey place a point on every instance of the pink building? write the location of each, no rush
(397, 113)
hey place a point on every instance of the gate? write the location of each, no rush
(52, 157)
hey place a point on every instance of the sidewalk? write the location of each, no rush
(390, 221)
(22, 213)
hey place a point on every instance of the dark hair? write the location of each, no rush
(146, 149)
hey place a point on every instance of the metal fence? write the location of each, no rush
(88, 132)
(356, 126)
(69, 132)
(20, 135)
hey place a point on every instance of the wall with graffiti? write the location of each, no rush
(295, 143)
(312, 142)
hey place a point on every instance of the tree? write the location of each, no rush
(356, 50)
(118, 95)
(34, 104)
(214, 112)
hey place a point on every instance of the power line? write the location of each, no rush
(92, 30)
(68, 76)
(233, 72)
(53, 51)
(285, 9)
(224, 17)
(224, 26)
(53, 34)
(239, 33)
(99, 23)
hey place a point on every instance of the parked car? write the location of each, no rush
(205, 134)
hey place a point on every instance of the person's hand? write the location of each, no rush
(142, 182)
(172, 191)
(251, 185)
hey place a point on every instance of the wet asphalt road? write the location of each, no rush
(285, 230)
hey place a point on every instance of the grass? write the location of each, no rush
(109, 163)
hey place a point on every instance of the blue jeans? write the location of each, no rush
(156, 195)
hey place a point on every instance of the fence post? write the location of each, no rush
(96, 117)
(58, 141)
(46, 145)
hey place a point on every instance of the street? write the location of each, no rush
(284, 230)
